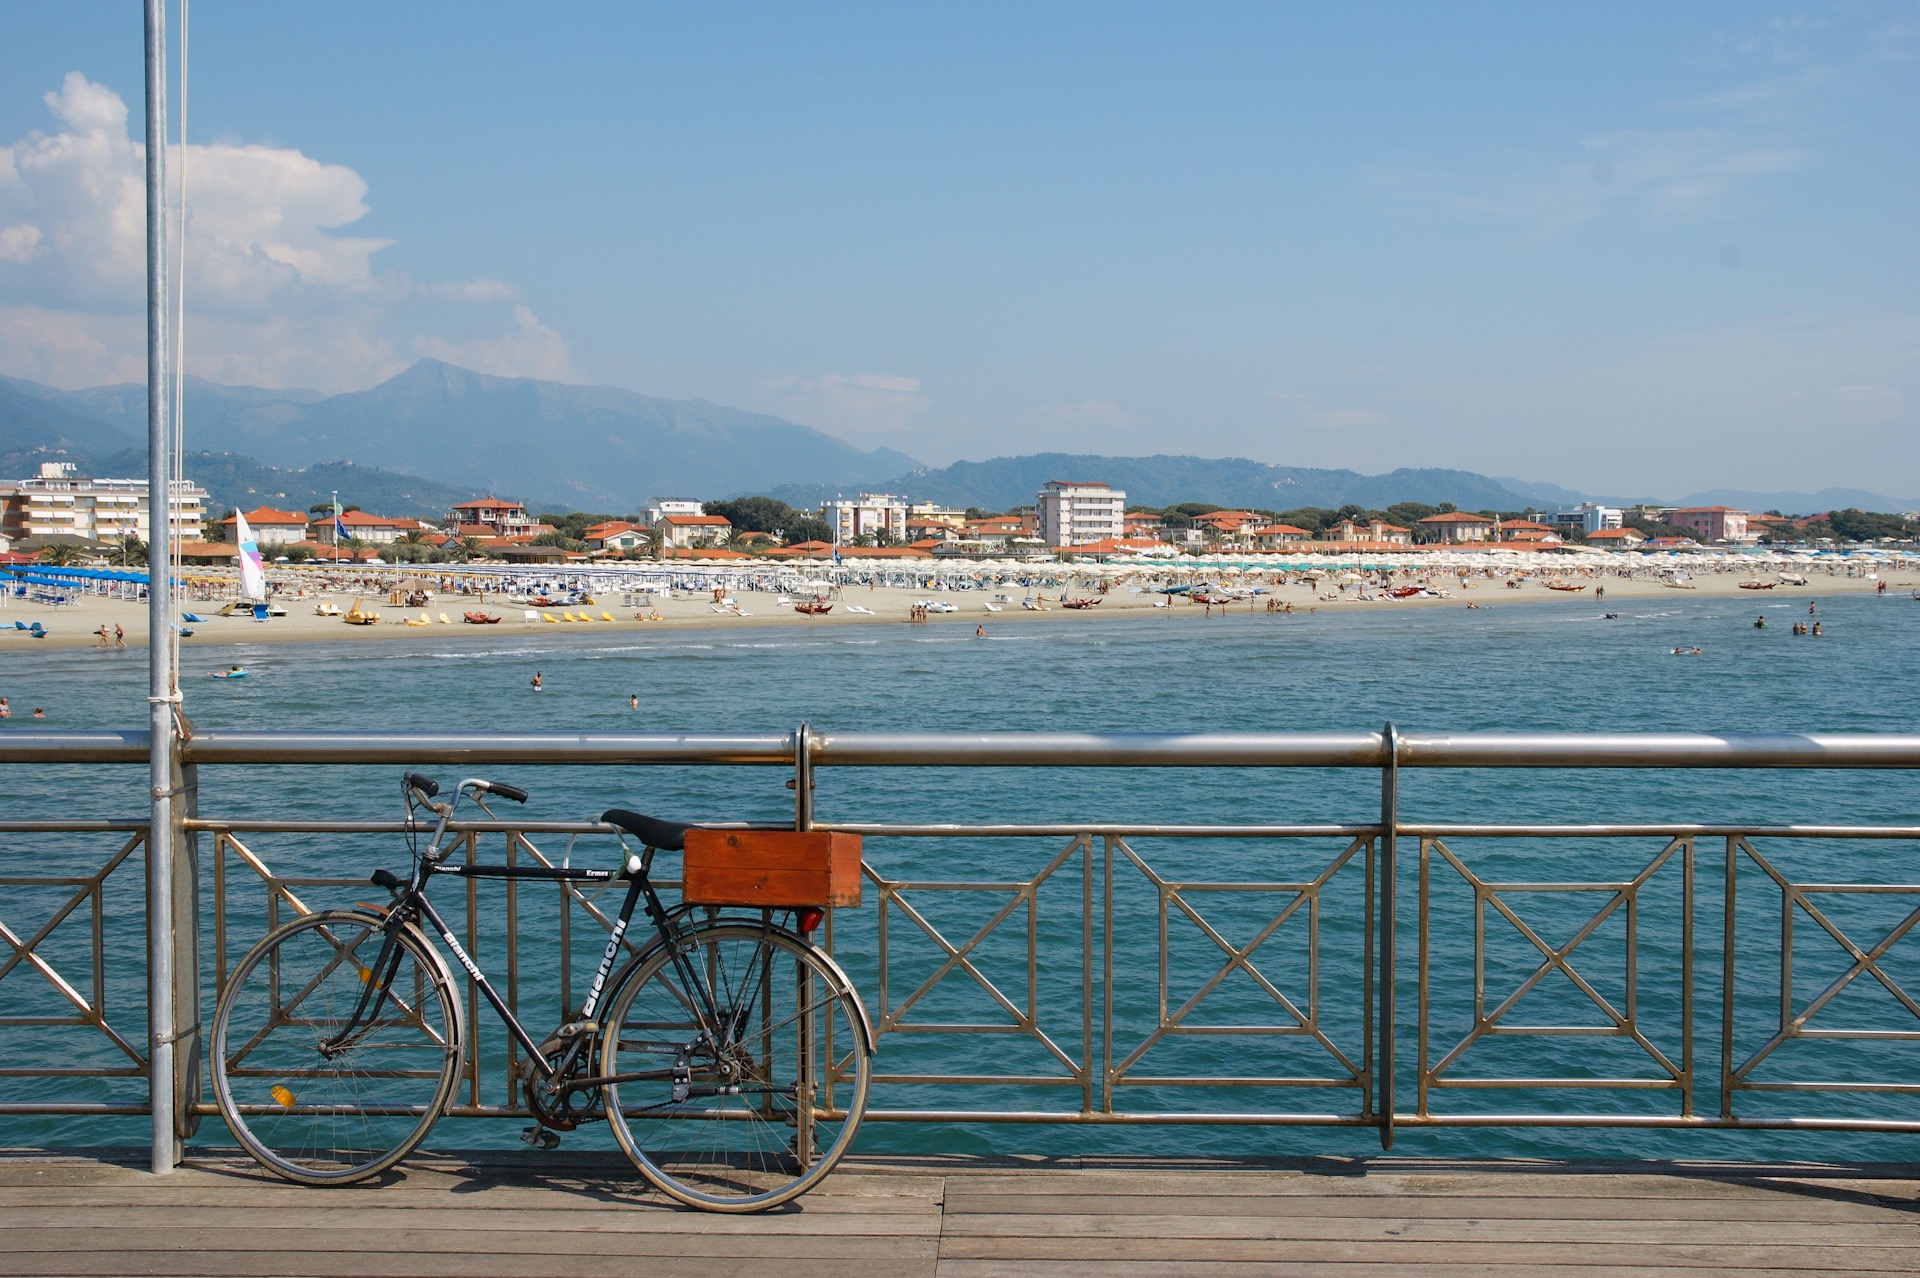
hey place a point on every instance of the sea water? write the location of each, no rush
(1548, 665)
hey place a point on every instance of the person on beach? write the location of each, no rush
(536, 681)
(102, 634)
(119, 637)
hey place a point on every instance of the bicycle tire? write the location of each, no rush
(798, 1058)
(333, 1120)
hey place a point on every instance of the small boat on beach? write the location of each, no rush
(356, 616)
(480, 619)
(326, 610)
(1758, 585)
(1566, 586)
(1404, 592)
(1079, 603)
(813, 607)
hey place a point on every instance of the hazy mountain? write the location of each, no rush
(584, 447)
(235, 481)
(1162, 480)
(1801, 503)
(36, 418)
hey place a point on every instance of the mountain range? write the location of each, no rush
(436, 434)
(548, 443)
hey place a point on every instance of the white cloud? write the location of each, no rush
(277, 293)
(530, 350)
(859, 404)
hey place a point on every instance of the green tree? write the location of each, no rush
(60, 554)
(1862, 525)
(132, 550)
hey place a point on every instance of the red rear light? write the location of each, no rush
(811, 917)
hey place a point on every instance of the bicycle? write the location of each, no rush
(732, 1062)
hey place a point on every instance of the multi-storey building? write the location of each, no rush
(1587, 518)
(866, 514)
(1715, 523)
(660, 507)
(928, 512)
(688, 532)
(506, 518)
(59, 503)
(1072, 513)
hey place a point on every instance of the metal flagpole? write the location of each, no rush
(161, 694)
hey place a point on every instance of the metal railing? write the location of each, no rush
(1107, 973)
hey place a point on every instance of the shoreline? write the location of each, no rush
(71, 626)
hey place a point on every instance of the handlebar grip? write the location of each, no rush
(513, 792)
(386, 879)
(424, 784)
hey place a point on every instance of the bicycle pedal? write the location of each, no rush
(540, 1138)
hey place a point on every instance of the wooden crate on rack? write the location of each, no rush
(772, 869)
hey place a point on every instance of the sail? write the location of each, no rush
(253, 575)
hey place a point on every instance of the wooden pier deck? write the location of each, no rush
(445, 1216)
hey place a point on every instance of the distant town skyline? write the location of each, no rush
(1635, 249)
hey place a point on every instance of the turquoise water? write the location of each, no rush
(1547, 665)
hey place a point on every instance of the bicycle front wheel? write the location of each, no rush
(312, 1093)
(738, 1067)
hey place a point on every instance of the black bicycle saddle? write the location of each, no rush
(668, 836)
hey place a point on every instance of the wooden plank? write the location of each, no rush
(475, 1220)
(558, 1200)
(298, 1238)
(1459, 1230)
(1544, 1184)
(1050, 1199)
(258, 1264)
(1315, 1269)
(1780, 1253)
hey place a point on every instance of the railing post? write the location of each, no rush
(162, 694)
(803, 777)
(1389, 829)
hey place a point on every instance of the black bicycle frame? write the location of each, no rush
(639, 887)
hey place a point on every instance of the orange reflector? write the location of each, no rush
(811, 917)
(282, 1097)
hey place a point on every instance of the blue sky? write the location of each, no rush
(1645, 248)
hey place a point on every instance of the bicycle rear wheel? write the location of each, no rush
(306, 1105)
(746, 1102)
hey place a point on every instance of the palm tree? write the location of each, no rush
(132, 551)
(656, 541)
(60, 554)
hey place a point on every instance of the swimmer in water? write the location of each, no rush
(633, 701)
(536, 681)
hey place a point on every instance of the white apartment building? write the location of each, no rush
(929, 512)
(868, 513)
(1072, 514)
(1587, 518)
(59, 503)
(660, 507)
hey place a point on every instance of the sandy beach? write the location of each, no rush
(750, 598)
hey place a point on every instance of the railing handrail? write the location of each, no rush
(1500, 749)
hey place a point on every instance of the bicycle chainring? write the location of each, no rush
(554, 1100)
